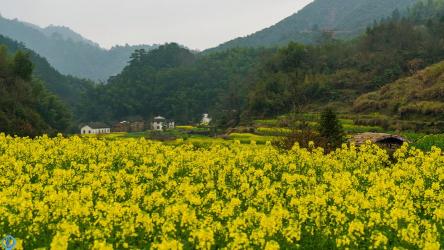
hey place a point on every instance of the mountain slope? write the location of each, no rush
(68, 88)
(344, 17)
(66, 34)
(250, 83)
(420, 96)
(338, 72)
(26, 107)
(69, 52)
(174, 82)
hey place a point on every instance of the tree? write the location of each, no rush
(299, 131)
(331, 129)
(23, 67)
(396, 15)
(27, 108)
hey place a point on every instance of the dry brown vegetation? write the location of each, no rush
(420, 96)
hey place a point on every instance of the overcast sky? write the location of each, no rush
(198, 24)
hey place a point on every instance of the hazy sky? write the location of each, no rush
(198, 24)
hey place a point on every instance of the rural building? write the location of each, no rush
(387, 141)
(137, 126)
(161, 123)
(126, 126)
(122, 126)
(205, 119)
(95, 128)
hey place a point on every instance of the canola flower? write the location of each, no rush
(88, 193)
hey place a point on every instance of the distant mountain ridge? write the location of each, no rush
(69, 52)
(67, 33)
(62, 32)
(343, 17)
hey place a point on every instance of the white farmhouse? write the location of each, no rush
(95, 128)
(205, 119)
(161, 123)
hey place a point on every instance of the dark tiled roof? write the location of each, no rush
(96, 125)
(374, 137)
(159, 118)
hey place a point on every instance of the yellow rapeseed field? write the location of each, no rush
(89, 193)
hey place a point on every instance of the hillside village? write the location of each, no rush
(158, 123)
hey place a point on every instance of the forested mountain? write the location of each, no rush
(68, 52)
(26, 107)
(338, 72)
(69, 89)
(238, 84)
(175, 82)
(343, 18)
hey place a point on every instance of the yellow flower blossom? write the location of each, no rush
(89, 193)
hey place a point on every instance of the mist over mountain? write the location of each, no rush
(69, 52)
(343, 18)
(66, 34)
(240, 83)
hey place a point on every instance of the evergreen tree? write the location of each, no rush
(331, 129)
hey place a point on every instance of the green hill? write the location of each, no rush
(244, 83)
(69, 89)
(345, 18)
(69, 52)
(338, 72)
(173, 81)
(26, 107)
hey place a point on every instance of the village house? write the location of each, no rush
(205, 120)
(161, 123)
(122, 126)
(137, 126)
(95, 128)
(126, 126)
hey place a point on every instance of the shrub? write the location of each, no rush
(331, 129)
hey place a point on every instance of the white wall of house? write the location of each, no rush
(85, 130)
(205, 119)
(158, 126)
(161, 125)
